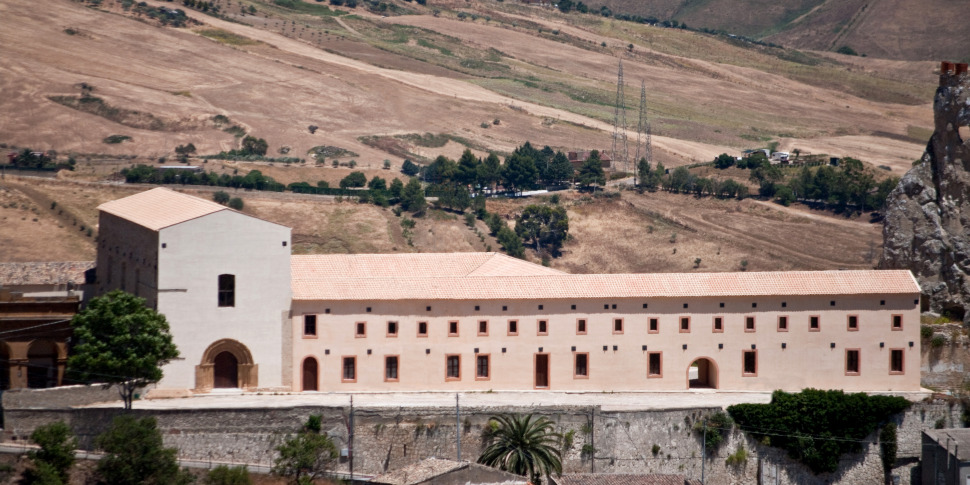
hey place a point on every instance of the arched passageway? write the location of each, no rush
(226, 364)
(226, 371)
(310, 374)
(42, 364)
(702, 374)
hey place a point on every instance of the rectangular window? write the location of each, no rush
(581, 368)
(813, 323)
(422, 329)
(227, 290)
(452, 367)
(684, 324)
(897, 322)
(852, 322)
(513, 327)
(349, 370)
(718, 324)
(483, 327)
(542, 328)
(390, 368)
(309, 325)
(896, 361)
(392, 329)
(749, 363)
(617, 325)
(852, 362)
(655, 364)
(581, 326)
(453, 328)
(654, 326)
(361, 330)
(482, 367)
(749, 324)
(783, 323)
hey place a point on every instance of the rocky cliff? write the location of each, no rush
(927, 226)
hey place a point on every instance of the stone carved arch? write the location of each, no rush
(247, 370)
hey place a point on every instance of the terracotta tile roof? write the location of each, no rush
(431, 468)
(412, 265)
(159, 208)
(44, 273)
(621, 479)
(311, 284)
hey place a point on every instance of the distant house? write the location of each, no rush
(436, 471)
(622, 479)
(190, 168)
(945, 456)
(578, 158)
(780, 157)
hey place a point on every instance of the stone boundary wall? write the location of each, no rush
(64, 397)
(385, 439)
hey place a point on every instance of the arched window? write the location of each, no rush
(227, 290)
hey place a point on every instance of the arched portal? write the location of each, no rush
(226, 363)
(226, 371)
(41, 364)
(702, 374)
(310, 374)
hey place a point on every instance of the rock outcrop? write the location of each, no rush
(927, 225)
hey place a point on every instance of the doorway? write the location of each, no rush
(310, 374)
(542, 371)
(226, 371)
(702, 374)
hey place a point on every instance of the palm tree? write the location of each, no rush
(523, 445)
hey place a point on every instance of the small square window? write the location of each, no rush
(896, 361)
(718, 324)
(644, 305)
(427, 309)
(483, 327)
(540, 307)
(392, 329)
(606, 306)
(422, 329)
(882, 302)
(483, 370)
(572, 307)
(654, 325)
(453, 328)
(505, 308)
(361, 330)
(684, 324)
(452, 367)
(542, 328)
(852, 322)
(654, 365)
(722, 304)
(613, 306)
(368, 309)
(581, 326)
(310, 325)
(851, 362)
(581, 367)
(784, 304)
(685, 305)
(477, 308)
(749, 323)
(390, 368)
(326, 310)
(513, 327)
(754, 305)
(897, 322)
(749, 361)
(832, 303)
(349, 370)
(783, 323)
(617, 325)
(814, 324)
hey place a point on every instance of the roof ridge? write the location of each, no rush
(485, 261)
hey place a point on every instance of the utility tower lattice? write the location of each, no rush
(643, 131)
(620, 154)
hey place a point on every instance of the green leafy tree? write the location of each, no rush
(412, 197)
(221, 197)
(442, 170)
(409, 168)
(888, 448)
(134, 455)
(353, 180)
(395, 189)
(224, 475)
(679, 180)
(560, 170)
(120, 342)
(54, 459)
(468, 168)
(724, 161)
(511, 242)
(543, 225)
(524, 445)
(591, 172)
(519, 173)
(490, 171)
(377, 184)
(42, 473)
(236, 203)
(306, 456)
(785, 195)
(254, 146)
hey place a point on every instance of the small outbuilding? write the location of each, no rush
(946, 456)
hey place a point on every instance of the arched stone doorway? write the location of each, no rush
(227, 363)
(702, 374)
(310, 374)
(42, 364)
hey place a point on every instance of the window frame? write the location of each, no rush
(618, 321)
(582, 326)
(513, 323)
(488, 367)
(542, 327)
(902, 362)
(397, 328)
(360, 329)
(226, 287)
(343, 368)
(818, 323)
(892, 322)
(453, 325)
(717, 321)
(754, 323)
(576, 374)
(420, 333)
(680, 324)
(848, 323)
(448, 376)
(480, 324)
(660, 364)
(397, 368)
(653, 325)
(858, 362)
(786, 320)
(744, 370)
(307, 319)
